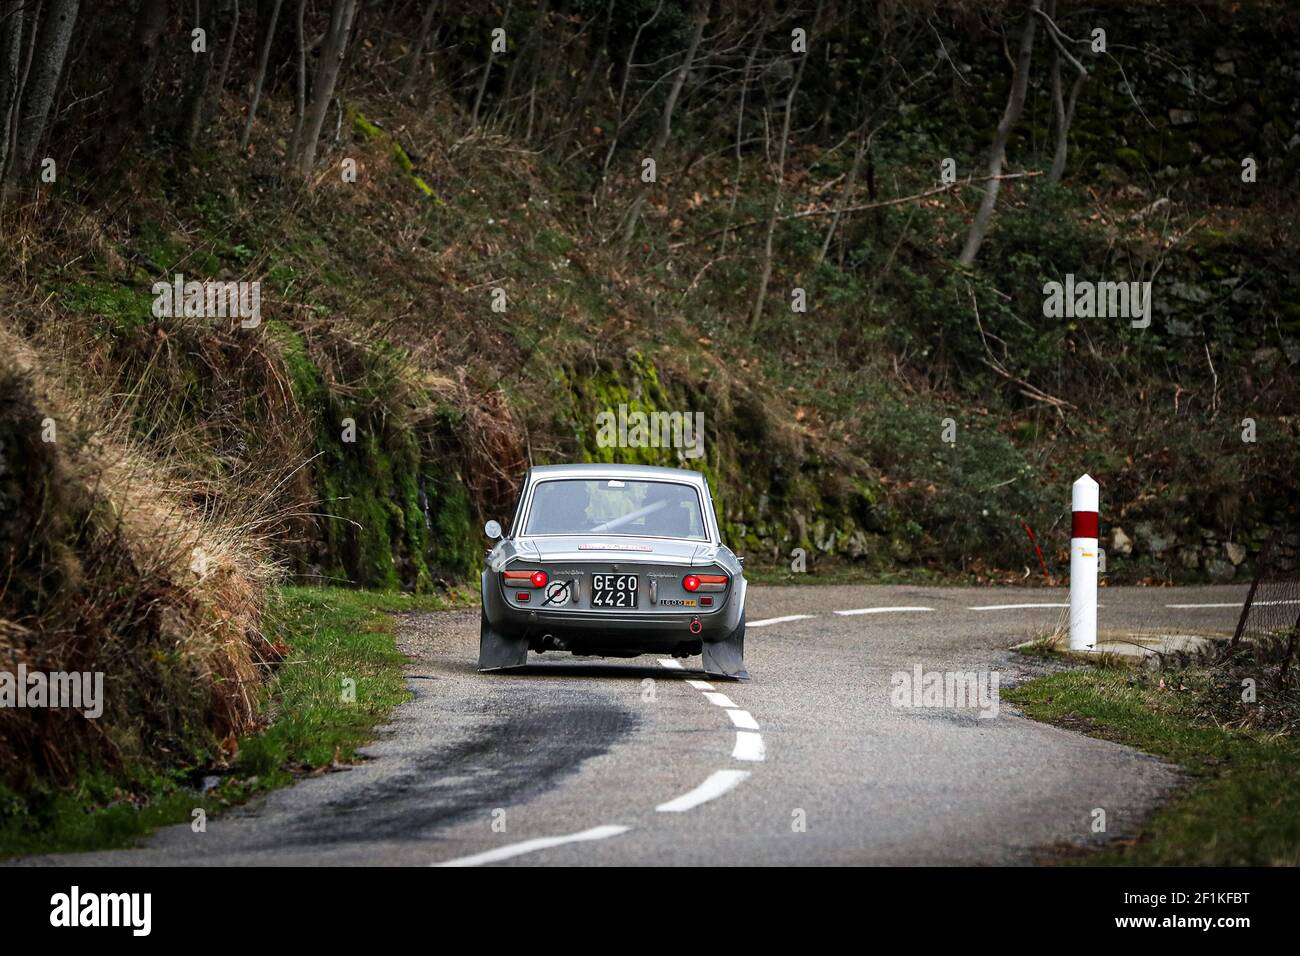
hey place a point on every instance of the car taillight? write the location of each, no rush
(707, 582)
(536, 579)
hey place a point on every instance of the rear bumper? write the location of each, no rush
(611, 627)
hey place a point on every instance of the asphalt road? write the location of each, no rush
(576, 761)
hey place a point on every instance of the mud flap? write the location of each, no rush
(727, 658)
(497, 652)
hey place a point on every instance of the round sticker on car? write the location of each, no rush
(557, 592)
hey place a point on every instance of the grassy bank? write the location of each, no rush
(1241, 806)
(331, 635)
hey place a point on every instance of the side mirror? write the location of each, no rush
(492, 529)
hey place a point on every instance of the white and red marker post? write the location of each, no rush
(1085, 528)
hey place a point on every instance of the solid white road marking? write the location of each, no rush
(700, 684)
(1238, 604)
(718, 783)
(532, 846)
(721, 700)
(880, 610)
(1012, 607)
(743, 719)
(749, 746)
(672, 665)
(780, 620)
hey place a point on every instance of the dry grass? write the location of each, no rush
(109, 566)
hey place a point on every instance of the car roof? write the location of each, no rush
(604, 470)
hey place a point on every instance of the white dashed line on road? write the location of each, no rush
(700, 684)
(1013, 607)
(717, 783)
(672, 665)
(780, 620)
(718, 700)
(880, 610)
(541, 843)
(749, 746)
(1237, 604)
(743, 719)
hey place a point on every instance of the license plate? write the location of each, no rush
(613, 590)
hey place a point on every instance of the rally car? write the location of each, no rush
(613, 561)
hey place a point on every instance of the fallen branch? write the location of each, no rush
(811, 213)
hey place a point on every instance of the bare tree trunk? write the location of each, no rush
(11, 48)
(1063, 111)
(740, 134)
(55, 34)
(622, 93)
(230, 49)
(322, 87)
(300, 103)
(864, 144)
(30, 30)
(998, 153)
(136, 71)
(666, 123)
(765, 274)
(578, 105)
(487, 71)
(525, 51)
(417, 51)
(191, 117)
(260, 79)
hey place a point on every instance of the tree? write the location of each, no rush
(487, 71)
(765, 273)
(998, 153)
(1062, 110)
(578, 103)
(666, 120)
(11, 47)
(260, 78)
(300, 77)
(196, 88)
(51, 49)
(619, 117)
(417, 51)
(135, 72)
(322, 88)
(230, 49)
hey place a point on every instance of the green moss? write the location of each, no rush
(369, 131)
(126, 308)
(308, 385)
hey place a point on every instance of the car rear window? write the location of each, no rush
(658, 509)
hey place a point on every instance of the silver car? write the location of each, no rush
(613, 561)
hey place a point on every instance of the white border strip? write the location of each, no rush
(1237, 604)
(532, 846)
(1013, 607)
(780, 620)
(717, 783)
(749, 746)
(743, 719)
(880, 610)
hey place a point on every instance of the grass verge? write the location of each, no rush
(1241, 806)
(314, 721)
